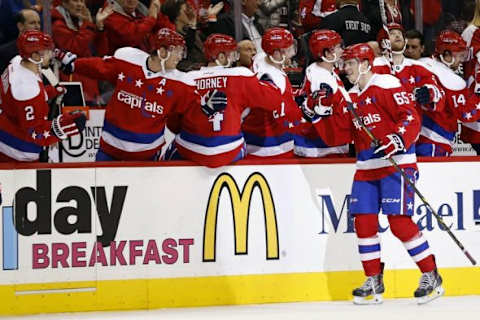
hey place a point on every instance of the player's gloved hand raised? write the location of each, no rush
(70, 124)
(66, 59)
(322, 99)
(318, 104)
(213, 102)
(390, 145)
(427, 95)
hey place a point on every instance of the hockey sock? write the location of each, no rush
(416, 244)
(366, 227)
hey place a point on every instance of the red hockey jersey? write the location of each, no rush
(311, 138)
(460, 105)
(385, 107)
(24, 127)
(136, 113)
(412, 74)
(217, 140)
(267, 132)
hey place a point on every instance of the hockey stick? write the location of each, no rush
(376, 142)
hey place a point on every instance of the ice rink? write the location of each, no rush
(451, 308)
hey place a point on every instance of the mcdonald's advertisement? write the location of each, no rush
(93, 224)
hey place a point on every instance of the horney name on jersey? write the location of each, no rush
(135, 101)
(368, 119)
(211, 83)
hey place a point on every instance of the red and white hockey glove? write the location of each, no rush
(390, 145)
(70, 124)
(318, 104)
(66, 59)
(53, 92)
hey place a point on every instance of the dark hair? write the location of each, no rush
(20, 17)
(171, 8)
(415, 34)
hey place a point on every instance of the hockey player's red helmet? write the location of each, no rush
(217, 43)
(360, 51)
(449, 40)
(166, 37)
(321, 40)
(32, 41)
(382, 35)
(276, 39)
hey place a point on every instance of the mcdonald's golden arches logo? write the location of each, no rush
(241, 209)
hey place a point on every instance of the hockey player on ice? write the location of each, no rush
(322, 80)
(461, 104)
(384, 107)
(24, 127)
(211, 134)
(148, 88)
(267, 133)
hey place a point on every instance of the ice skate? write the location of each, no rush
(371, 291)
(430, 287)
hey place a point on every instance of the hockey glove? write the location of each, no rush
(213, 102)
(70, 124)
(390, 145)
(55, 91)
(320, 101)
(66, 59)
(427, 95)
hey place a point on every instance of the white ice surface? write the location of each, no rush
(444, 308)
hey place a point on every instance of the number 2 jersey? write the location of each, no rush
(24, 127)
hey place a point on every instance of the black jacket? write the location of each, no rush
(351, 24)
(7, 52)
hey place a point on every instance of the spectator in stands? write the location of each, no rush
(131, 23)
(352, 25)
(251, 29)
(415, 48)
(247, 51)
(432, 10)
(183, 16)
(8, 14)
(270, 13)
(26, 19)
(73, 30)
(311, 12)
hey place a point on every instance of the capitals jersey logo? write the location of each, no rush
(135, 101)
(367, 120)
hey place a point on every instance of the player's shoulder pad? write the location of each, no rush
(467, 34)
(354, 90)
(448, 79)
(380, 61)
(317, 75)
(131, 55)
(239, 71)
(385, 81)
(179, 76)
(269, 72)
(424, 63)
(24, 84)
